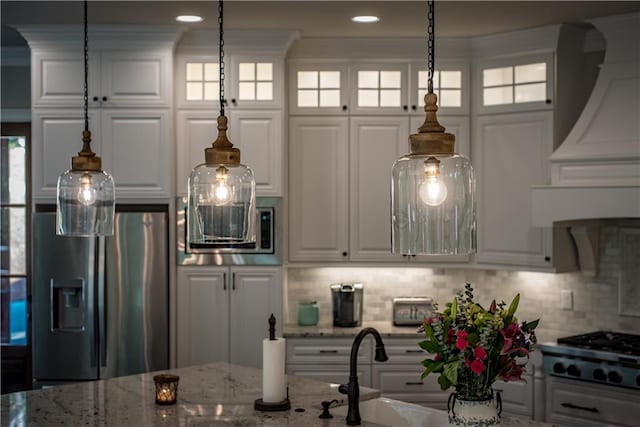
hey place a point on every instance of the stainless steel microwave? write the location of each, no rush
(265, 251)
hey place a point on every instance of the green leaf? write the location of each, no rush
(431, 366)
(428, 330)
(454, 308)
(514, 305)
(473, 339)
(530, 326)
(430, 346)
(451, 371)
(444, 382)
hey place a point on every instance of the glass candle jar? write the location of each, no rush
(307, 313)
(166, 388)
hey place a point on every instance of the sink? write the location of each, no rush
(389, 412)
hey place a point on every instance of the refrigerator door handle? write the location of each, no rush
(224, 281)
(233, 281)
(102, 306)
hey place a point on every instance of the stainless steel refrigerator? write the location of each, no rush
(100, 305)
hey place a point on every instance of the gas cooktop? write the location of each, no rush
(604, 357)
(613, 342)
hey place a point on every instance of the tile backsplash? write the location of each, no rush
(595, 299)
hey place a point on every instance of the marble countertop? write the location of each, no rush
(208, 395)
(328, 330)
(217, 394)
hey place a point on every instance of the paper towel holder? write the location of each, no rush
(284, 405)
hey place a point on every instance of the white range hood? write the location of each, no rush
(595, 172)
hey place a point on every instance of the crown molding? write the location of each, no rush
(243, 41)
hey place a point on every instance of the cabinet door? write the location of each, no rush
(318, 188)
(56, 137)
(57, 78)
(136, 78)
(258, 134)
(510, 155)
(318, 88)
(202, 316)
(256, 293)
(380, 89)
(196, 130)
(256, 81)
(376, 142)
(136, 147)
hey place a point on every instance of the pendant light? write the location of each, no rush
(85, 193)
(432, 187)
(222, 195)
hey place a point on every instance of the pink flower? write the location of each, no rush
(480, 353)
(461, 344)
(437, 357)
(467, 362)
(430, 320)
(477, 366)
(450, 334)
(462, 334)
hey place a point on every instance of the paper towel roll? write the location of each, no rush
(273, 378)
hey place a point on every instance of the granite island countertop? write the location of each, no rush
(217, 394)
(386, 329)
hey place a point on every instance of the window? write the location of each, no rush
(14, 225)
(447, 85)
(255, 81)
(379, 88)
(318, 89)
(514, 84)
(203, 81)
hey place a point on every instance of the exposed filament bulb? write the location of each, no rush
(221, 191)
(87, 194)
(432, 190)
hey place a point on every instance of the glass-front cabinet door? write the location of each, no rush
(379, 88)
(450, 83)
(318, 88)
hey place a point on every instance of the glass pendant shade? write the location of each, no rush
(433, 194)
(86, 203)
(222, 196)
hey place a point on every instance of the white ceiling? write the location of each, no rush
(320, 18)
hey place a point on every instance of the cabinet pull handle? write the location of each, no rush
(328, 351)
(414, 383)
(582, 408)
(233, 281)
(413, 351)
(224, 281)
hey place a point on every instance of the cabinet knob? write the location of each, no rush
(414, 108)
(344, 108)
(104, 98)
(345, 253)
(547, 258)
(548, 101)
(95, 99)
(405, 107)
(233, 101)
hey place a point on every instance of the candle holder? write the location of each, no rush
(166, 389)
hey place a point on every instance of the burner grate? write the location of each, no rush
(605, 341)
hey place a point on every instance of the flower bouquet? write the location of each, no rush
(471, 347)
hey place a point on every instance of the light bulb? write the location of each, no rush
(221, 191)
(87, 195)
(432, 190)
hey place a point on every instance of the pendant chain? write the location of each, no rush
(430, 45)
(86, 71)
(221, 57)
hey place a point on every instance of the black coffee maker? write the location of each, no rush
(347, 304)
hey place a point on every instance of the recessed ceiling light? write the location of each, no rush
(365, 19)
(189, 18)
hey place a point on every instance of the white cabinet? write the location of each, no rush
(579, 404)
(375, 143)
(222, 313)
(133, 145)
(327, 359)
(510, 154)
(318, 177)
(257, 133)
(117, 78)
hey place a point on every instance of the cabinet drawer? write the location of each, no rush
(337, 374)
(405, 350)
(406, 379)
(517, 396)
(325, 351)
(591, 404)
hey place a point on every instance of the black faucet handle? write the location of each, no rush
(325, 409)
(343, 388)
